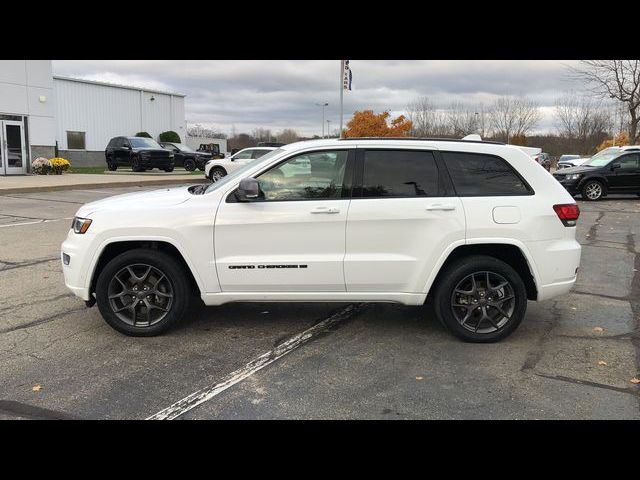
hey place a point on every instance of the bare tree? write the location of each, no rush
(584, 120)
(263, 135)
(427, 119)
(463, 120)
(288, 135)
(618, 80)
(513, 116)
(198, 130)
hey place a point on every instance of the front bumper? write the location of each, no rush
(150, 162)
(75, 246)
(571, 186)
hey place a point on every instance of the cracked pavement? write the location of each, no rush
(385, 362)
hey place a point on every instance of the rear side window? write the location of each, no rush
(399, 173)
(480, 175)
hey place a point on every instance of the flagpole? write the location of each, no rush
(341, 92)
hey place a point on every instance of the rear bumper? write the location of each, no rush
(558, 266)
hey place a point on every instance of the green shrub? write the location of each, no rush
(170, 136)
(143, 134)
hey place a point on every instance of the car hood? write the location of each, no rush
(578, 169)
(152, 199)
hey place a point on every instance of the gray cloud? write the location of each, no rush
(281, 94)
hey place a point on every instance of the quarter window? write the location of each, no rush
(75, 141)
(479, 175)
(399, 173)
(316, 175)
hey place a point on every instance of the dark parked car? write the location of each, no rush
(138, 152)
(613, 170)
(187, 157)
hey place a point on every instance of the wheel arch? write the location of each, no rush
(600, 178)
(111, 249)
(512, 254)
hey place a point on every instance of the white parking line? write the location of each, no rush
(34, 222)
(187, 403)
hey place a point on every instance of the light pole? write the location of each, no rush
(322, 105)
(477, 123)
(328, 128)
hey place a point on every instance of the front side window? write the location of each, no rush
(480, 175)
(628, 162)
(258, 153)
(315, 175)
(399, 173)
(76, 141)
(244, 155)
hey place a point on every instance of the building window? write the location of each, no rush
(75, 141)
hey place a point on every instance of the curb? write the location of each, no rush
(89, 186)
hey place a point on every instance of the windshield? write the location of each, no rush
(140, 142)
(184, 148)
(241, 171)
(602, 158)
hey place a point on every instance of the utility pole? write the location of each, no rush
(341, 92)
(323, 104)
(328, 128)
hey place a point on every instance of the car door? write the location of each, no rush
(626, 177)
(402, 217)
(292, 239)
(121, 152)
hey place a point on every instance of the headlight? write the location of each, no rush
(574, 176)
(80, 225)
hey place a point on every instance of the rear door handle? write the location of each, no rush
(441, 206)
(325, 210)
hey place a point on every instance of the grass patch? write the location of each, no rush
(87, 170)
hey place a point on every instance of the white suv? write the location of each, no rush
(215, 169)
(475, 226)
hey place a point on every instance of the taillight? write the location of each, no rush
(568, 213)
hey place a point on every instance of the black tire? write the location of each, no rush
(189, 165)
(176, 282)
(169, 169)
(590, 190)
(217, 170)
(135, 165)
(492, 325)
(112, 166)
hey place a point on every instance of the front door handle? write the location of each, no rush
(325, 210)
(441, 206)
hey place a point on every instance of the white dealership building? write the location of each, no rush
(41, 114)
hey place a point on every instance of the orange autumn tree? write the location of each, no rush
(621, 139)
(369, 124)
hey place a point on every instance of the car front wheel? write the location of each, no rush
(143, 292)
(189, 165)
(480, 299)
(217, 173)
(592, 190)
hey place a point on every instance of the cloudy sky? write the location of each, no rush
(279, 94)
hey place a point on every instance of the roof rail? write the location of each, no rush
(423, 139)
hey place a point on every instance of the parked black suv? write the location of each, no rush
(613, 170)
(138, 152)
(186, 157)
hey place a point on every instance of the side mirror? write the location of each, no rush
(615, 166)
(127, 147)
(248, 190)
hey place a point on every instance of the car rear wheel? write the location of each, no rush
(189, 165)
(168, 169)
(480, 299)
(592, 190)
(217, 173)
(143, 292)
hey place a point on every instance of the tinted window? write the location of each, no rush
(141, 142)
(75, 141)
(628, 161)
(482, 175)
(398, 173)
(258, 153)
(316, 175)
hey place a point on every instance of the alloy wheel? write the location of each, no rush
(593, 191)
(140, 295)
(483, 302)
(216, 174)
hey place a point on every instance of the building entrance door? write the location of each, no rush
(13, 152)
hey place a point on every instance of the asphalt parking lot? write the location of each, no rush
(572, 358)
